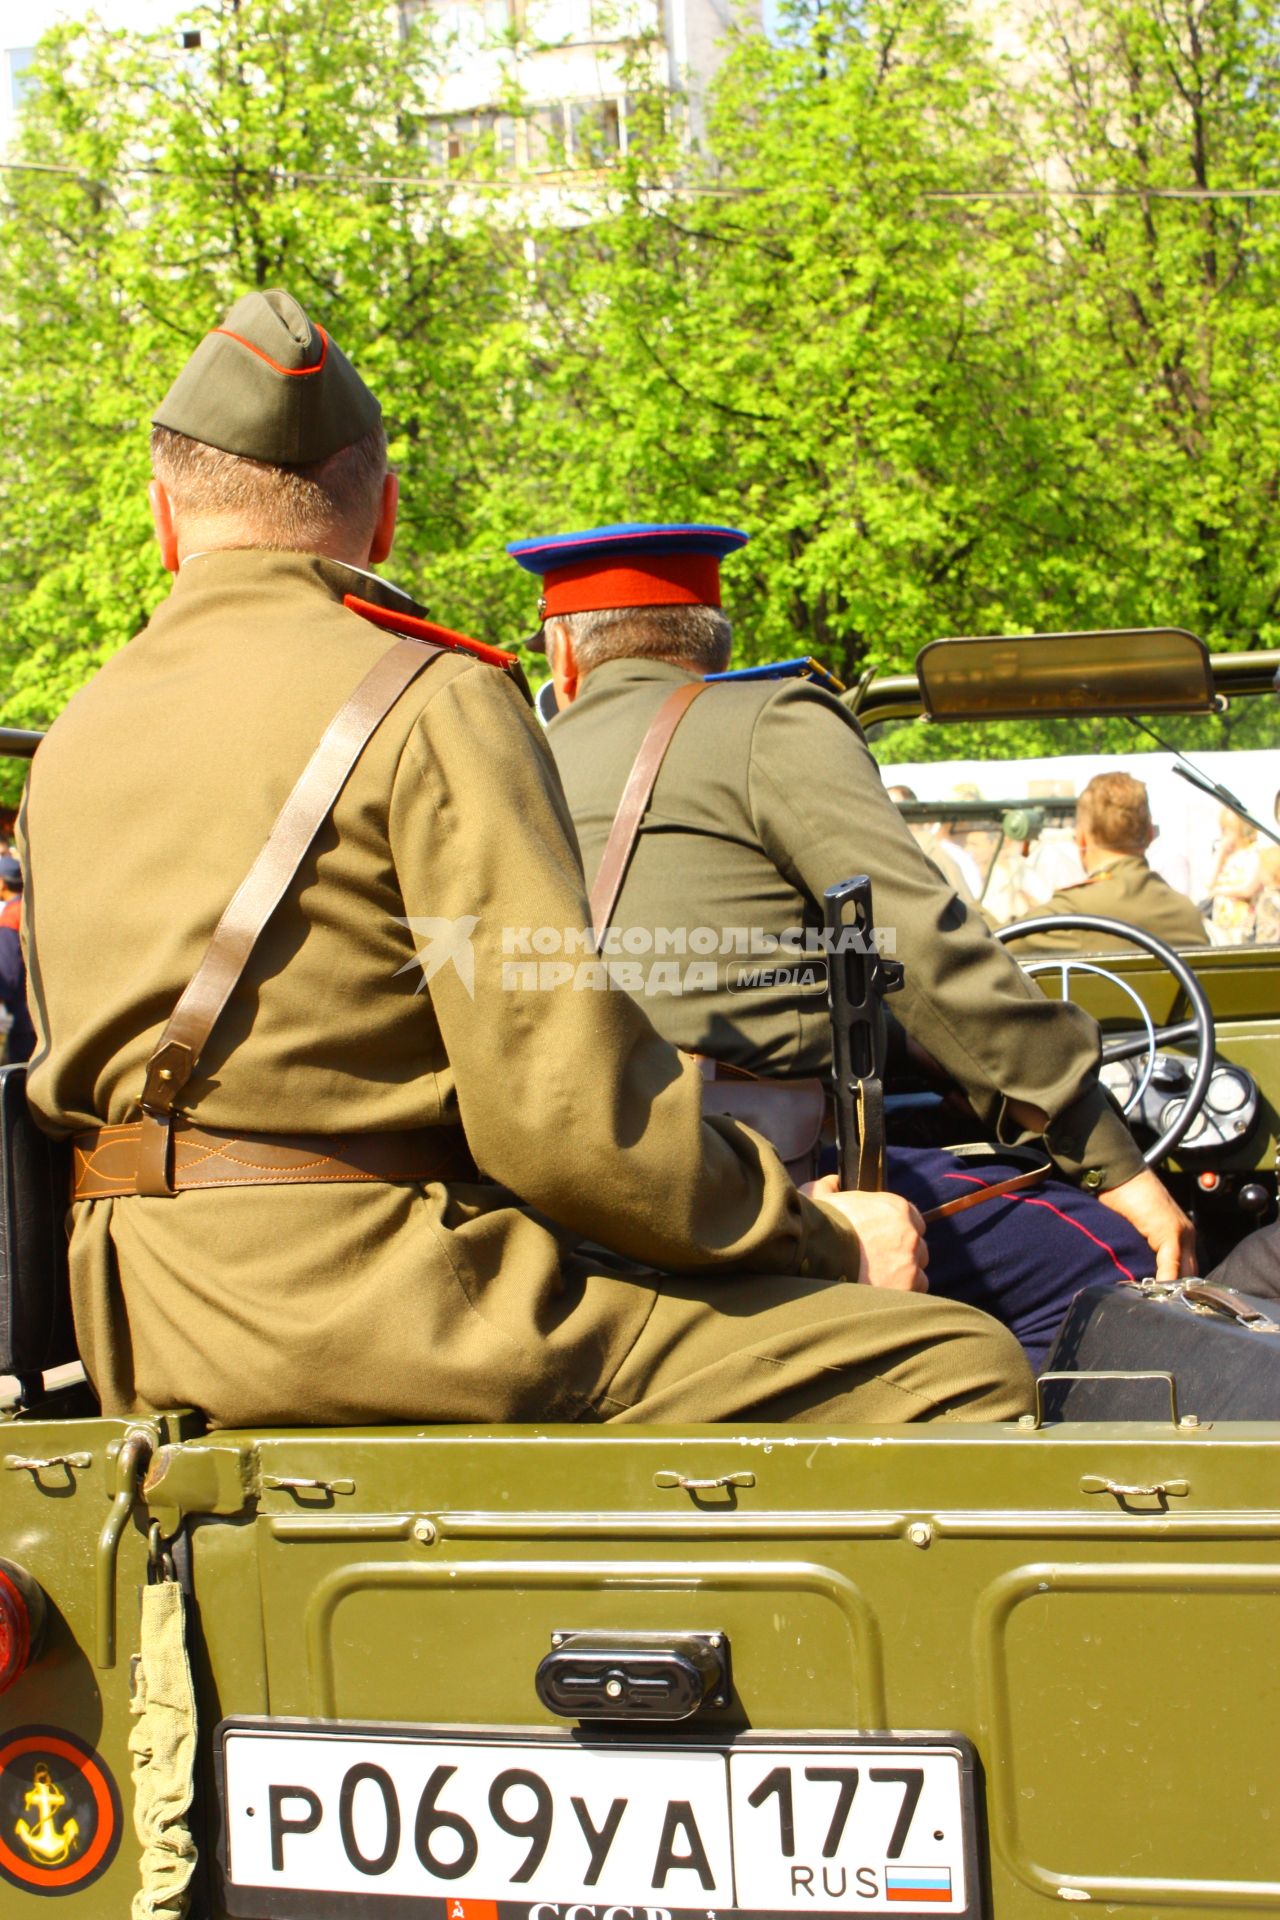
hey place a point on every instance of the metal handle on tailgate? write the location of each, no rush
(1162, 1489)
(1036, 1420)
(666, 1478)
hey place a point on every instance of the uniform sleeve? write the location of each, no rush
(822, 814)
(567, 1094)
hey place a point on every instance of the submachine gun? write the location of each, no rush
(858, 978)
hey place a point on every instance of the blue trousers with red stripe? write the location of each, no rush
(1023, 1258)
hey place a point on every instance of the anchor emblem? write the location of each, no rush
(51, 1845)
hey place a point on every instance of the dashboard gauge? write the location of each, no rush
(1170, 1113)
(1227, 1093)
(1117, 1076)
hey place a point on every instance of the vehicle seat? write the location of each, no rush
(36, 1331)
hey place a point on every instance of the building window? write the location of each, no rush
(595, 132)
(547, 139)
(465, 135)
(18, 59)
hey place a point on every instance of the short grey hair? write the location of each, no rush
(687, 636)
(287, 507)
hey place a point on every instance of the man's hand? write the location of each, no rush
(890, 1231)
(1145, 1204)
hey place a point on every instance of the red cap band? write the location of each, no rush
(668, 580)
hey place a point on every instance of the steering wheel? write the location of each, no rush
(1198, 1028)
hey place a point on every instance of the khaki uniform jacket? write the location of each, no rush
(147, 805)
(1125, 889)
(768, 796)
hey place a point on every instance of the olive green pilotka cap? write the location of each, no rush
(270, 385)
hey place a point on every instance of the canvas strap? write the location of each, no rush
(636, 795)
(297, 824)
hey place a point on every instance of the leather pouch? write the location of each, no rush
(789, 1113)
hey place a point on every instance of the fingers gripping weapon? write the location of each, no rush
(857, 981)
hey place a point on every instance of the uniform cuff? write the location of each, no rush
(1092, 1144)
(830, 1250)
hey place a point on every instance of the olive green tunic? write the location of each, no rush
(1125, 889)
(767, 797)
(147, 805)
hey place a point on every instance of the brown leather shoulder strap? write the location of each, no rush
(256, 899)
(636, 795)
(976, 1196)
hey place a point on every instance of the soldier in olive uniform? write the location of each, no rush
(393, 1175)
(1113, 831)
(767, 796)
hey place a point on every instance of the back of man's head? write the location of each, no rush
(696, 637)
(1113, 812)
(269, 437)
(229, 499)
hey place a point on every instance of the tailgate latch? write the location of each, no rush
(634, 1676)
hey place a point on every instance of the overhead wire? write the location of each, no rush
(540, 183)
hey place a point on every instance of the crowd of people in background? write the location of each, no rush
(19, 1040)
(1098, 865)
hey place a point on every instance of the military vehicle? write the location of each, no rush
(571, 1673)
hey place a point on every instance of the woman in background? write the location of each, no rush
(1267, 922)
(1236, 882)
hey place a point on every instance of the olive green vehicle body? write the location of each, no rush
(1095, 1607)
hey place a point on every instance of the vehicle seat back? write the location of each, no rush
(36, 1332)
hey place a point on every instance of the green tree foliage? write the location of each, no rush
(270, 155)
(934, 328)
(942, 330)
(798, 340)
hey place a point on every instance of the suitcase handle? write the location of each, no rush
(1200, 1294)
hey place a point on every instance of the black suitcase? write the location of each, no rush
(1221, 1347)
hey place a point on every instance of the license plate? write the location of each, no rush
(338, 1820)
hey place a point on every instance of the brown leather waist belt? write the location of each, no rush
(105, 1162)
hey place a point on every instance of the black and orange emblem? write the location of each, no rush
(59, 1811)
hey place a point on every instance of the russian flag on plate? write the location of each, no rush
(917, 1883)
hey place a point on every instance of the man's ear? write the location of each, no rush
(384, 527)
(166, 527)
(563, 662)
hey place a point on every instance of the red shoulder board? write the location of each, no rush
(409, 627)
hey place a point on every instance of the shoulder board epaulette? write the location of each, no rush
(410, 627)
(803, 667)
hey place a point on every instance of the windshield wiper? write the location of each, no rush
(1196, 777)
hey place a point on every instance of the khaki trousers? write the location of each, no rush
(770, 1348)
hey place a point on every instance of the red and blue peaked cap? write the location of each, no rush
(629, 565)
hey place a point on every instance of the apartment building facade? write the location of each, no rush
(542, 86)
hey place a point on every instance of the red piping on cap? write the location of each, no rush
(294, 373)
(668, 580)
(410, 627)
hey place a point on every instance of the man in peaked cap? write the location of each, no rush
(765, 797)
(376, 1194)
